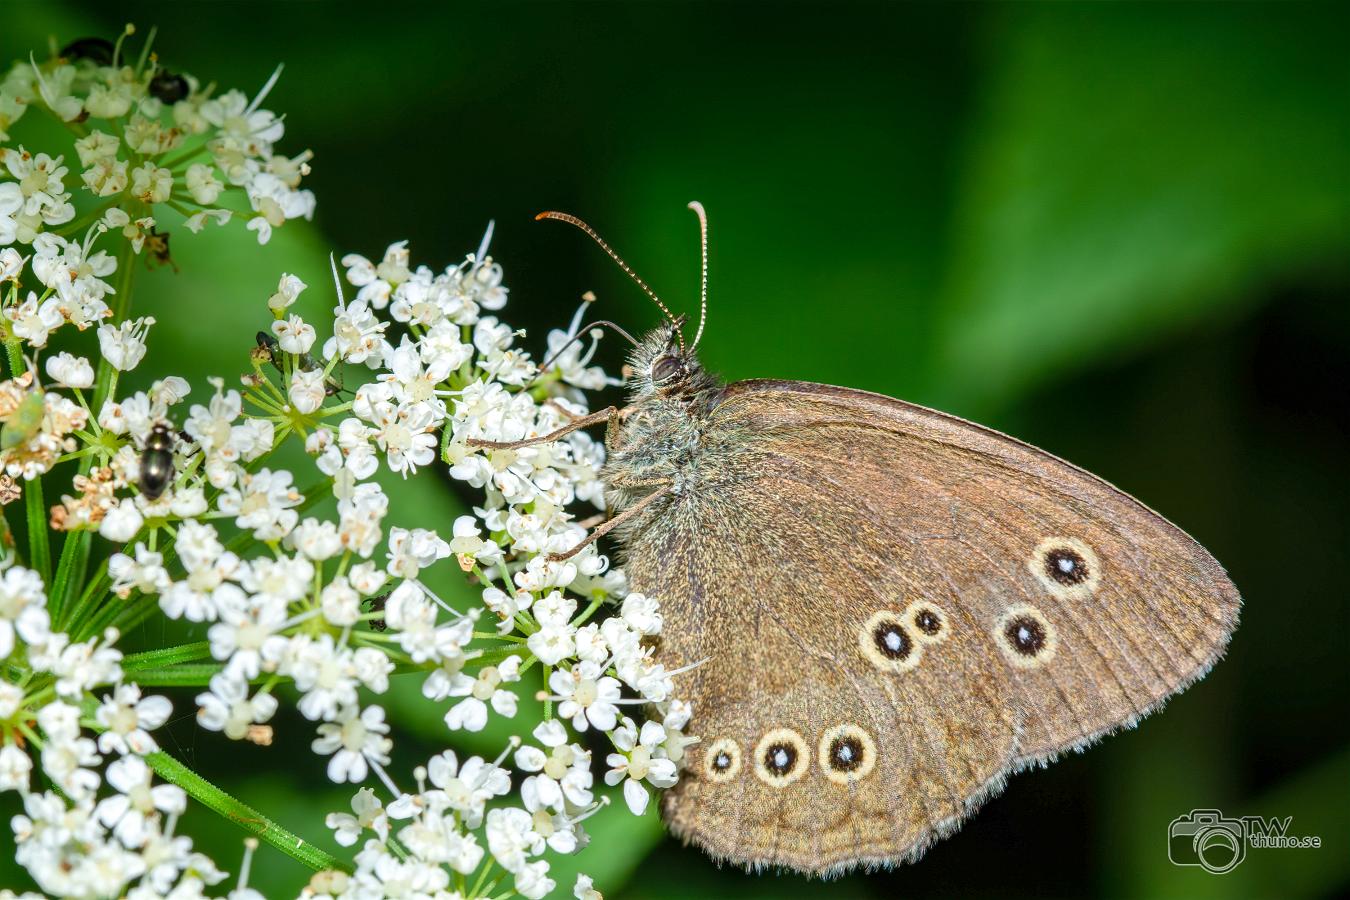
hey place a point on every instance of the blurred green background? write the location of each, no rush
(1117, 231)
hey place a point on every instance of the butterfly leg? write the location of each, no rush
(605, 528)
(609, 414)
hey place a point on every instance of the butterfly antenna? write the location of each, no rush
(573, 220)
(703, 289)
(581, 333)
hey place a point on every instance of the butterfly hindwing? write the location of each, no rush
(899, 609)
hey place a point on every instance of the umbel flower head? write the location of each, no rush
(175, 502)
(153, 145)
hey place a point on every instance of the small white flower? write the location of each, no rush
(145, 573)
(122, 522)
(131, 813)
(585, 888)
(555, 638)
(294, 334)
(202, 184)
(315, 539)
(641, 613)
(587, 695)
(33, 321)
(288, 289)
(412, 551)
(151, 183)
(16, 769)
(123, 346)
(637, 763)
(307, 390)
(247, 631)
(563, 773)
(227, 707)
(355, 738)
(263, 503)
(70, 371)
(470, 713)
(367, 812)
(129, 718)
(11, 262)
(340, 602)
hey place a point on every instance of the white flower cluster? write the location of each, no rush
(103, 823)
(205, 528)
(150, 142)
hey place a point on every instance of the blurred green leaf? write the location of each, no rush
(1133, 168)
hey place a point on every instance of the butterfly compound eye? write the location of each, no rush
(667, 368)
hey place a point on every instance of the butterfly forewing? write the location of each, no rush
(899, 609)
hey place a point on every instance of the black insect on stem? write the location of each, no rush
(95, 49)
(169, 87)
(157, 461)
(270, 349)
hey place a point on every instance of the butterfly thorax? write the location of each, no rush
(665, 440)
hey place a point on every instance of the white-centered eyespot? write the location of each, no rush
(722, 760)
(889, 643)
(847, 753)
(1067, 567)
(927, 622)
(781, 757)
(1026, 636)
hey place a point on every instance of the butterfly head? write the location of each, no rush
(661, 366)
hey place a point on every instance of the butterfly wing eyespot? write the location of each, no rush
(927, 622)
(847, 753)
(781, 757)
(1066, 567)
(888, 642)
(722, 760)
(1025, 636)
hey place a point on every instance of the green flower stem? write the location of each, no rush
(482, 877)
(39, 550)
(548, 704)
(200, 674)
(70, 570)
(132, 616)
(126, 273)
(589, 611)
(74, 562)
(191, 675)
(166, 656)
(92, 592)
(246, 817)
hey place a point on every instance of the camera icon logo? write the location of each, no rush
(1204, 838)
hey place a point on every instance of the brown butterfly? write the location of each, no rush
(898, 608)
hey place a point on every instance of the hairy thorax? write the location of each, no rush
(672, 443)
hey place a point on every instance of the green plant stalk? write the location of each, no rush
(166, 656)
(246, 817)
(74, 563)
(190, 675)
(39, 549)
(200, 674)
(92, 592)
(70, 570)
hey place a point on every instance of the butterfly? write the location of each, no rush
(894, 609)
